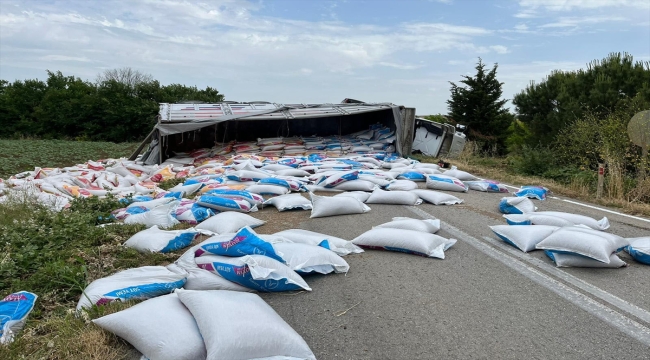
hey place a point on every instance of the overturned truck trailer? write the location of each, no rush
(437, 139)
(182, 128)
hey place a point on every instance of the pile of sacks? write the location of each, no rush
(362, 161)
(570, 240)
(377, 138)
(204, 296)
(238, 183)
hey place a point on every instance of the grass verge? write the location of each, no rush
(55, 255)
(498, 168)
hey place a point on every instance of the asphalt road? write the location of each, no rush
(485, 300)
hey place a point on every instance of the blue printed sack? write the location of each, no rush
(14, 309)
(256, 272)
(245, 242)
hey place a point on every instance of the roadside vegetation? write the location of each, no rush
(562, 129)
(56, 255)
(120, 105)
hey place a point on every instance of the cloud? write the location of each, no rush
(499, 49)
(525, 15)
(64, 58)
(248, 51)
(568, 5)
(400, 66)
(434, 28)
(577, 21)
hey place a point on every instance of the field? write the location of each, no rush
(22, 155)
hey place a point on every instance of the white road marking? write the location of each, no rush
(586, 205)
(601, 209)
(610, 316)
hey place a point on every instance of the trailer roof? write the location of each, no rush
(183, 113)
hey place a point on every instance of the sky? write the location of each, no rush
(319, 51)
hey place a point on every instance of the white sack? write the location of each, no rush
(229, 222)
(151, 204)
(274, 239)
(356, 185)
(523, 237)
(402, 185)
(200, 279)
(639, 249)
(407, 241)
(161, 328)
(139, 283)
(315, 188)
(238, 325)
(516, 205)
(257, 272)
(263, 189)
(587, 244)
(160, 216)
(381, 182)
(329, 206)
(156, 240)
(602, 224)
(276, 167)
(426, 166)
(444, 182)
(306, 258)
(555, 218)
(393, 197)
(359, 195)
(436, 197)
(568, 260)
(289, 202)
(460, 175)
(187, 190)
(428, 225)
(486, 186)
(340, 177)
(247, 175)
(536, 219)
(340, 246)
(292, 172)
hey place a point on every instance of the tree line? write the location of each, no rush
(543, 110)
(121, 105)
(564, 125)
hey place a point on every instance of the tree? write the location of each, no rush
(564, 97)
(126, 76)
(121, 106)
(479, 106)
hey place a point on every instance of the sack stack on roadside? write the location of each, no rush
(569, 240)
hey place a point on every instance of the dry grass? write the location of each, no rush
(68, 337)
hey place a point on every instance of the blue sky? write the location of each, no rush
(290, 51)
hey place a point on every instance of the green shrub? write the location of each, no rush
(533, 161)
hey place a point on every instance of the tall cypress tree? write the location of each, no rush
(479, 106)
